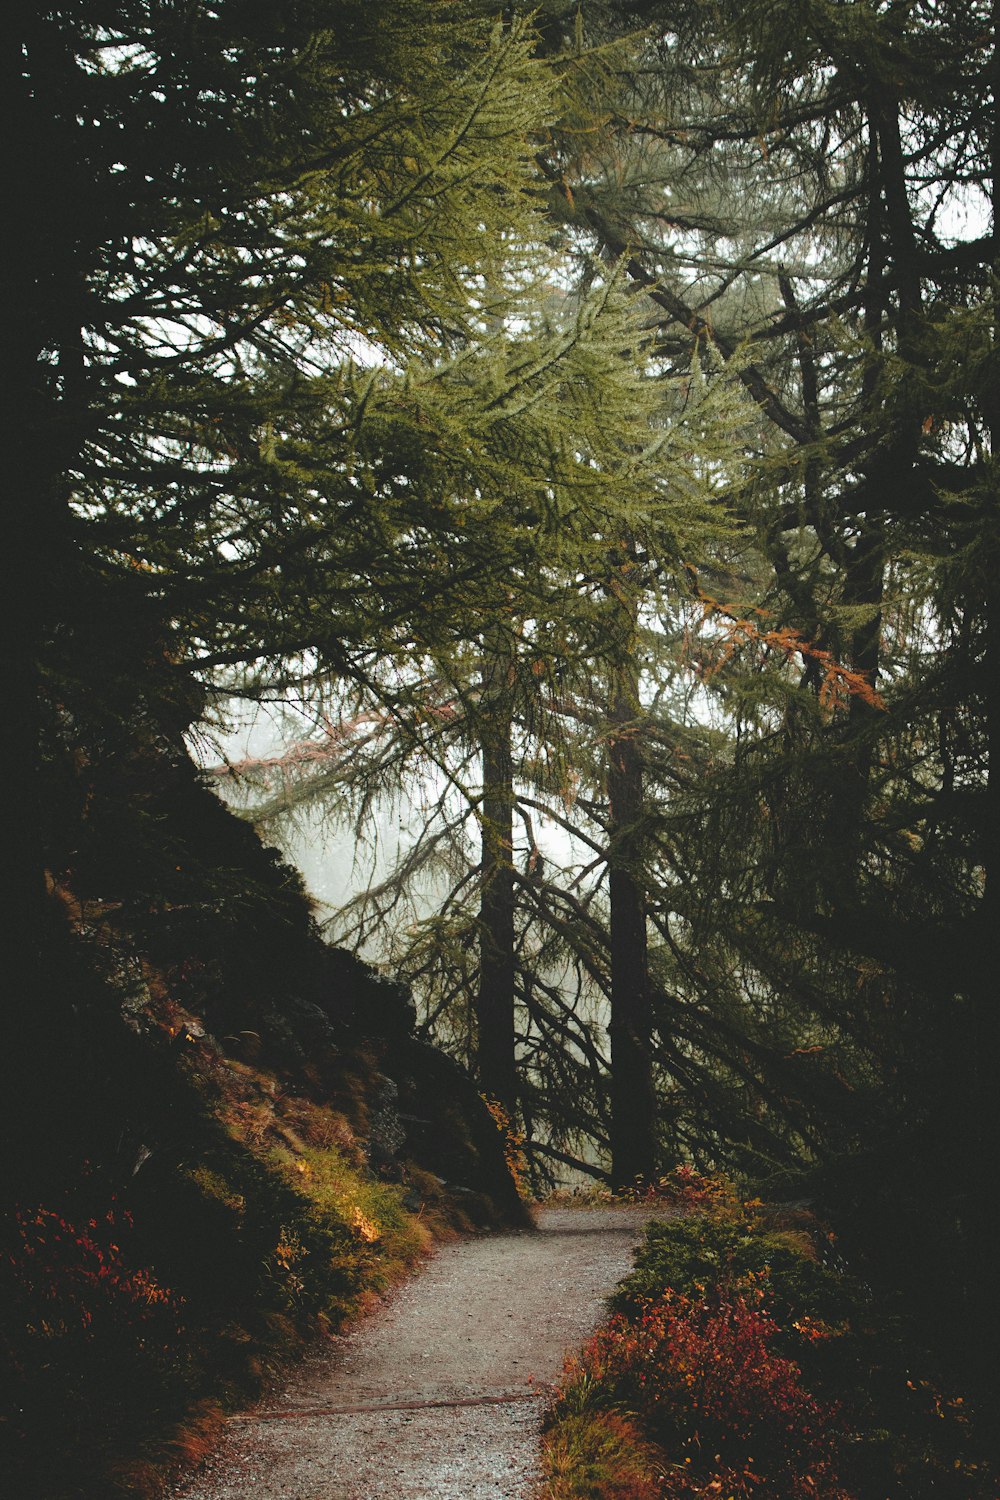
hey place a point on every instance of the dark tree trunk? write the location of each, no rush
(633, 1100)
(977, 1091)
(983, 1087)
(495, 1052)
(42, 308)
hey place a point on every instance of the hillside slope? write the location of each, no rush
(223, 1138)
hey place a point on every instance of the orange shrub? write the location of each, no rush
(710, 1389)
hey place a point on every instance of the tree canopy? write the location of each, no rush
(589, 413)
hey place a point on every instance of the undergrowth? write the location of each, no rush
(132, 1321)
(741, 1360)
(222, 1137)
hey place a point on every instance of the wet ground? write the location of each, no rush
(438, 1396)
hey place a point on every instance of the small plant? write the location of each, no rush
(690, 1255)
(66, 1281)
(91, 1343)
(692, 1192)
(600, 1455)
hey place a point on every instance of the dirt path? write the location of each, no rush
(437, 1396)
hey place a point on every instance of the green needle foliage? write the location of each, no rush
(598, 408)
(815, 184)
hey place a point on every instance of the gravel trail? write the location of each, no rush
(438, 1396)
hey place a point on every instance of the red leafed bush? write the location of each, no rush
(694, 1192)
(72, 1281)
(92, 1351)
(727, 1410)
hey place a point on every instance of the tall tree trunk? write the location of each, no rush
(633, 1100)
(496, 1060)
(41, 279)
(983, 1090)
(21, 590)
(889, 469)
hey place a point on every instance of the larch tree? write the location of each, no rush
(236, 224)
(811, 186)
(563, 590)
(271, 350)
(570, 459)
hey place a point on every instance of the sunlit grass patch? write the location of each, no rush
(599, 1455)
(384, 1237)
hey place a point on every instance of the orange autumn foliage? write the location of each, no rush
(838, 684)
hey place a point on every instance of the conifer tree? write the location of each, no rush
(812, 183)
(237, 225)
(515, 714)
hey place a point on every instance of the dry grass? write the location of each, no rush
(599, 1455)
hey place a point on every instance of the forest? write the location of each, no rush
(570, 428)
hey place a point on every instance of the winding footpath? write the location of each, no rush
(438, 1396)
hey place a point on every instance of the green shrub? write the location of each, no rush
(699, 1254)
